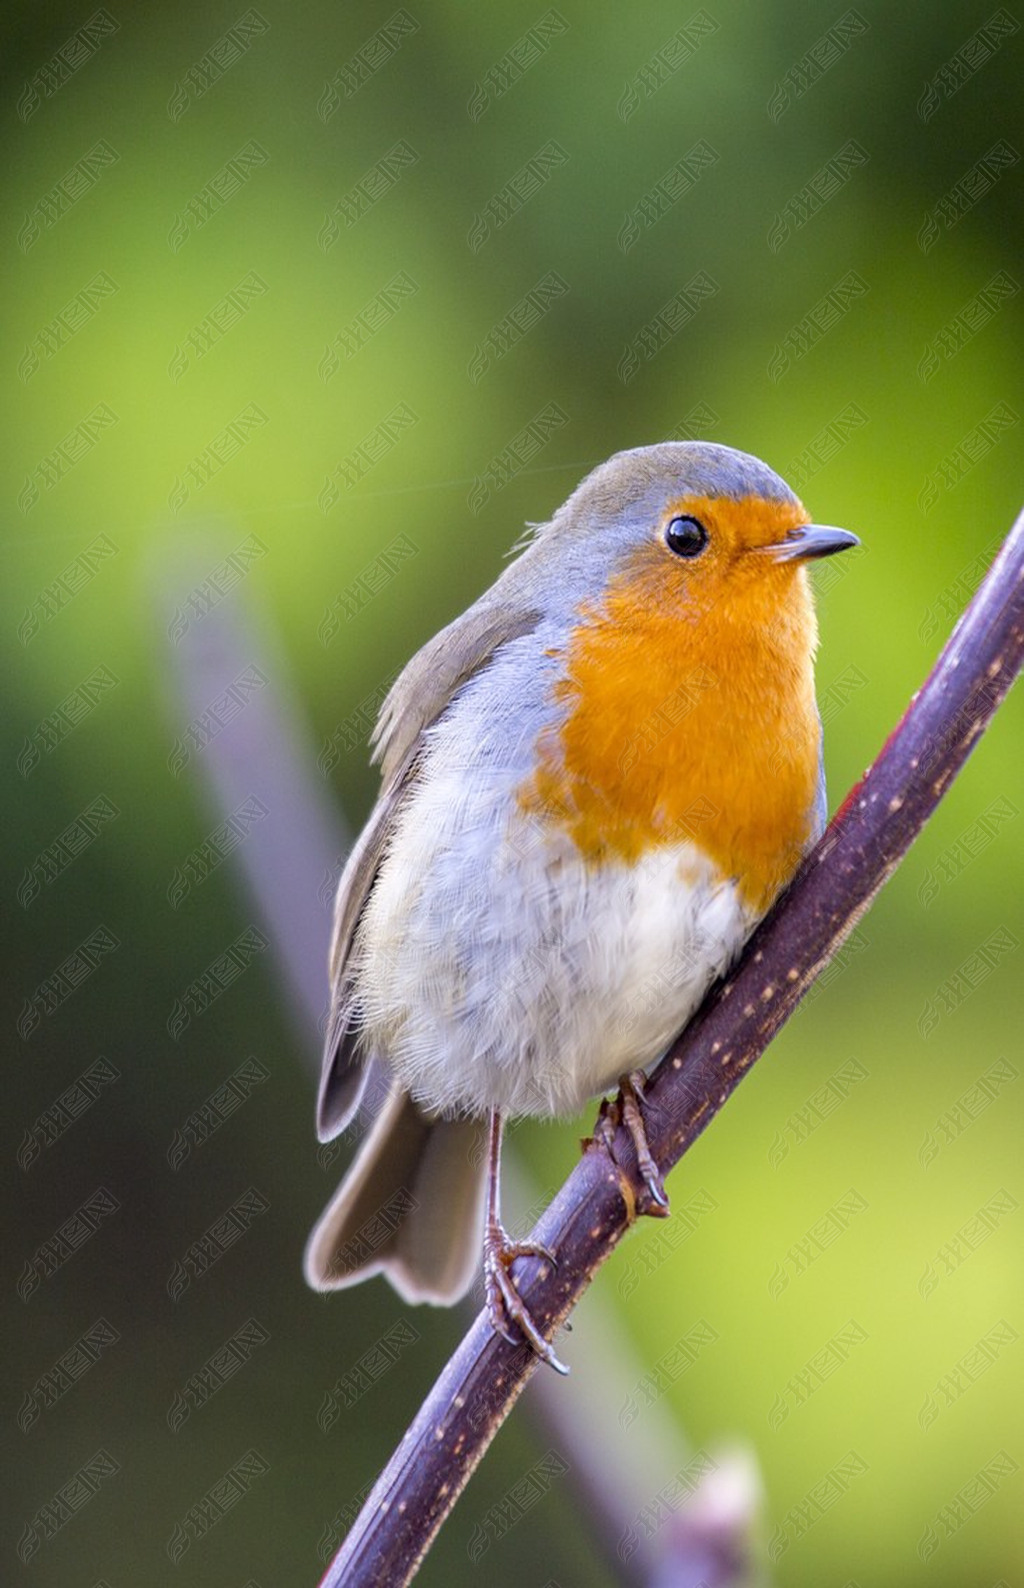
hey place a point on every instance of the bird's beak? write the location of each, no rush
(812, 540)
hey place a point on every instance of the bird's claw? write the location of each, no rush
(627, 1109)
(505, 1306)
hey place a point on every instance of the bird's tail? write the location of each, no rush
(410, 1207)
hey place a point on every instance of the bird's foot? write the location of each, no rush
(505, 1306)
(627, 1109)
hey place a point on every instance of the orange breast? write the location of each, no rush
(691, 715)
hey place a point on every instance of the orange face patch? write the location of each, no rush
(691, 704)
(736, 566)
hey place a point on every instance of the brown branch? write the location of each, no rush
(865, 842)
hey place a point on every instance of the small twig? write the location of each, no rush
(865, 842)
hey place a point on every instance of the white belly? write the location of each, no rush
(518, 976)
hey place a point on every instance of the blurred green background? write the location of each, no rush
(836, 196)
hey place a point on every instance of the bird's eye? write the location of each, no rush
(687, 537)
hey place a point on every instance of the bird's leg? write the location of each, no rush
(627, 1109)
(505, 1306)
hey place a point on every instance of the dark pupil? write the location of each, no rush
(686, 537)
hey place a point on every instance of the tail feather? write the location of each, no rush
(410, 1207)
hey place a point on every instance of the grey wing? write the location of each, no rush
(420, 694)
(425, 687)
(341, 1078)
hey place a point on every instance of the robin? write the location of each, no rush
(594, 784)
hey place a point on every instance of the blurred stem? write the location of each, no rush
(865, 842)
